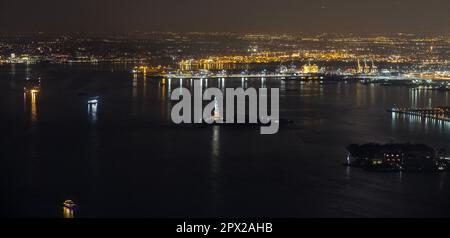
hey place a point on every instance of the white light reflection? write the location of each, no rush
(92, 111)
(215, 165)
(169, 87)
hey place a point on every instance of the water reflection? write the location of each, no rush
(348, 173)
(360, 95)
(145, 85)
(215, 149)
(27, 72)
(169, 86)
(244, 83)
(32, 108)
(12, 70)
(164, 106)
(68, 213)
(414, 94)
(134, 94)
(446, 98)
(135, 85)
(348, 169)
(92, 111)
(415, 122)
(215, 165)
(394, 117)
(372, 94)
(24, 102)
(425, 98)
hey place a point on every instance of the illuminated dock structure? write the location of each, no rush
(438, 113)
(276, 76)
(308, 72)
(298, 76)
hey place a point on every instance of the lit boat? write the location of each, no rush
(93, 100)
(32, 85)
(31, 89)
(69, 209)
(69, 204)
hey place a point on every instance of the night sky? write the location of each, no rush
(104, 16)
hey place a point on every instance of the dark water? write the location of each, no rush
(124, 158)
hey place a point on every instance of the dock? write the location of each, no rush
(266, 76)
(437, 113)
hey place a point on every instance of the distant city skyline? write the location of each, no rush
(113, 16)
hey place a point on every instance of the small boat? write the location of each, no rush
(93, 100)
(32, 85)
(69, 204)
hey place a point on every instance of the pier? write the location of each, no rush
(278, 76)
(437, 113)
(365, 78)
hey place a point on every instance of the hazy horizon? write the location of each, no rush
(118, 16)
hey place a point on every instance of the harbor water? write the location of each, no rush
(122, 157)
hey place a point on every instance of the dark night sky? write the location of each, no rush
(374, 16)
